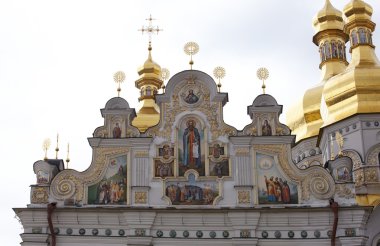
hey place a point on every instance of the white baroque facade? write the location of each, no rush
(192, 179)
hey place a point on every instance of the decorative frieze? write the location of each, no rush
(141, 197)
(39, 194)
(244, 197)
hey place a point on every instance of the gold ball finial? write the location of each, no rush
(165, 74)
(67, 157)
(219, 73)
(45, 146)
(57, 147)
(191, 48)
(119, 78)
(263, 74)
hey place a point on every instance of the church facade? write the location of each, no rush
(174, 173)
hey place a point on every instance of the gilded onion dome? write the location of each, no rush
(304, 117)
(328, 18)
(357, 89)
(148, 83)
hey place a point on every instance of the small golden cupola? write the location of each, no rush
(357, 89)
(148, 83)
(304, 117)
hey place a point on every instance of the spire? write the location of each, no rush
(148, 83)
(331, 39)
(305, 117)
(360, 28)
(328, 18)
(357, 88)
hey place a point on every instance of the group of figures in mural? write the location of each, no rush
(202, 193)
(361, 36)
(277, 190)
(342, 174)
(113, 186)
(273, 187)
(333, 49)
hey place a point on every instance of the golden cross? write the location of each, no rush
(150, 29)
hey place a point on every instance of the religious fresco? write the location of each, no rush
(163, 169)
(216, 150)
(272, 185)
(218, 163)
(112, 188)
(342, 174)
(192, 192)
(191, 95)
(116, 131)
(166, 151)
(266, 129)
(43, 177)
(220, 168)
(191, 147)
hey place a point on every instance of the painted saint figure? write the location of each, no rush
(216, 151)
(271, 192)
(191, 97)
(116, 131)
(191, 145)
(164, 170)
(266, 129)
(166, 151)
(285, 191)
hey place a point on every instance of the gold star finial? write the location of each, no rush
(150, 30)
(165, 74)
(219, 73)
(191, 48)
(119, 78)
(45, 146)
(263, 74)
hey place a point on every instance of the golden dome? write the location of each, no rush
(328, 18)
(150, 68)
(148, 83)
(358, 9)
(357, 89)
(305, 118)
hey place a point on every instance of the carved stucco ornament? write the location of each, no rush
(141, 197)
(70, 183)
(355, 157)
(314, 181)
(344, 191)
(244, 197)
(210, 109)
(373, 155)
(40, 195)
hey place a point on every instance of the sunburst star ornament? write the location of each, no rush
(263, 74)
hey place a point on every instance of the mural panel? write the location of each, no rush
(163, 169)
(166, 151)
(216, 151)
(112, 188)
(43, 177)
(191, 147)
(192, 193)
(273, 187)
(220, 168)
(342, 174)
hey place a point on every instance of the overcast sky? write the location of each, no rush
(57, 60)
